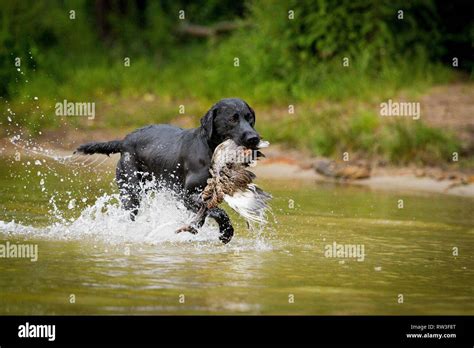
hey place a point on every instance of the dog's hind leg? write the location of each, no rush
(128, 181)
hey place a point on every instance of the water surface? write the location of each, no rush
(110, 265)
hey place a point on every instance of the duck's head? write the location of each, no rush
(228, 152)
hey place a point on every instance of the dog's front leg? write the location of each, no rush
(197, 221)
(226, 229)
(194, 203)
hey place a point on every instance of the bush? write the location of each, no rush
(281, 62)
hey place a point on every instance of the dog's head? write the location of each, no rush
(231, 118)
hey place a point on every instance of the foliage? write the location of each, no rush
(282, 61)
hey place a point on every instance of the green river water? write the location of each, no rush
(417, 260)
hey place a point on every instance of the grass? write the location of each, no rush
(335, 104)
(363, 134)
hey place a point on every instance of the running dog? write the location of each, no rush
(181, 158)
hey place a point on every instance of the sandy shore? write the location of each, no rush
(287, 164)
(390, 182)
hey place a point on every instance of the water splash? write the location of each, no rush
(105, 220)
(160, 214)
(31, 148)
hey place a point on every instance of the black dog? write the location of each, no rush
(180, 157)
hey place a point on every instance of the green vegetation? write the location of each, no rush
(282, 61)
(362, 133)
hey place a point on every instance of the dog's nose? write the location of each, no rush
(252, 141)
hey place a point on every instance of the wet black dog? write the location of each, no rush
(180, 157)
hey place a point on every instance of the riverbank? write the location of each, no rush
(392, 179)
(448, 108)
(283, 163)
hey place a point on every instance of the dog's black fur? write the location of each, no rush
(180, 157)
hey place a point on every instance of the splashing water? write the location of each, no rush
(161, 211)
(29, 147)
(51, 172)
(159, 216)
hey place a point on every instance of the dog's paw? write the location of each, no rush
(187, 228)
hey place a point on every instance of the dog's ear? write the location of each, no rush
(207, 122)
(253, 114)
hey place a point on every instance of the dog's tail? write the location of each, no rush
(105, 148)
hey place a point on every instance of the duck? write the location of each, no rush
(230, 181)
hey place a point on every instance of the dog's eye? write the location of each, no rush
(249, 119)
(235, 118)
